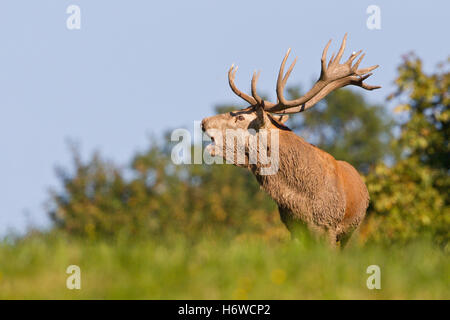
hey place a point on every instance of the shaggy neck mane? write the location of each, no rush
(301, 169)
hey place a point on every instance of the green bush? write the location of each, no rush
(161, 198)
(410, 199)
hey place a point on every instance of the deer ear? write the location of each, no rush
(261, 116)
(283, 118)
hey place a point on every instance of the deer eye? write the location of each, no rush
(240, 118)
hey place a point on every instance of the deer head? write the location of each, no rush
(261, 114)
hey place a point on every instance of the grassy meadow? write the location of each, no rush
(177, 268)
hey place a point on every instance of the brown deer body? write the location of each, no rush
(310, 187)
(314, 189)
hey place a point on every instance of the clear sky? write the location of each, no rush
(137, 68)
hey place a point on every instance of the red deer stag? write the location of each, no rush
(311, 188)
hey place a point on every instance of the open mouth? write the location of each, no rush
(211, 147)
(209, 134)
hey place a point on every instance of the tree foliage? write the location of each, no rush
(160, 198)
(410, 198)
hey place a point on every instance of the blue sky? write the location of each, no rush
(137, 68)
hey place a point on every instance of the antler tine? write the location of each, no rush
(356, 65)
(254, 82)
(324, 58)
(359, 82)
(231, 76)
(280, 79)
(288, 73)
(331, 60)
(352, 57)
(361, 72)
(341, 50)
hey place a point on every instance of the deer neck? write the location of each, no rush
(297, 163)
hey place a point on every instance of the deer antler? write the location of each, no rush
(231, 76)
(332, 76)
(353, 80)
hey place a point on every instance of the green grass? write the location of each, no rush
(34, 268)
